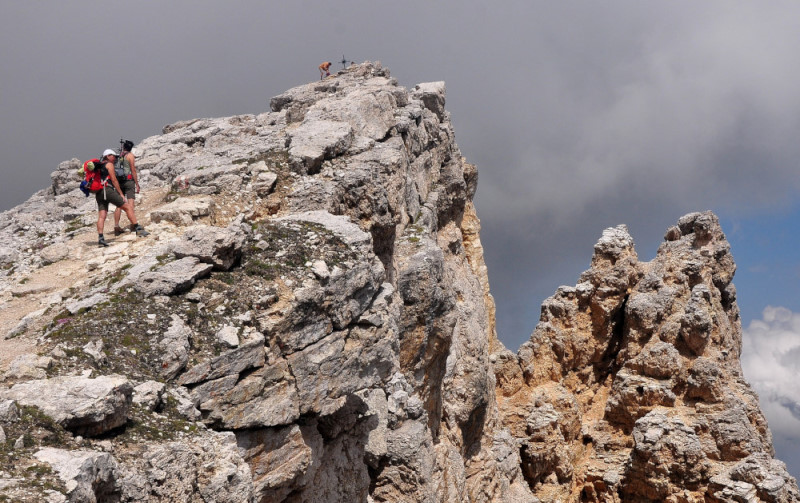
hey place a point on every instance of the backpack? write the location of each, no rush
(93, 172)
(119, 169)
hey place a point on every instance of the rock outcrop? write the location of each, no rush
(630, 388)
(311, 321)
(82, 405)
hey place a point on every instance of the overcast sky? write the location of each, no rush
(579, 116)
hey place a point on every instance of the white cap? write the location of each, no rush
(107, 152)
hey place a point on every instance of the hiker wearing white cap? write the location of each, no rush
(115, 196)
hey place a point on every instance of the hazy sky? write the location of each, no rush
(579, 116)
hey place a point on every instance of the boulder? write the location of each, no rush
(30, 289)
(264, 183)
(231, 394)
(90, 476)
(341, 297)
(28, 366)
(94, 348)
(265, 398)
(706, 381)
(769, 477)
(228, 336)
(184, 404)
(734, 433)
(9, 412)
(221, 247)
(660, 361)
(85, 406)
(183, 211)
(173, 278)
(8, 255)
(54, 253)
(149, 394)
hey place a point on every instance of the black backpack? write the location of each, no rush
(119, 169)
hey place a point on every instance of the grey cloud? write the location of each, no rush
(791, 358)
(770, 351)
(790, 404)
(699, 111)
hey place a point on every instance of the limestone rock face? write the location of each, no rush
(644, 359)
(311, 321)
(209, 468)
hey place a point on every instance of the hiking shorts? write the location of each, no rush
(108, 195)
(129, 189)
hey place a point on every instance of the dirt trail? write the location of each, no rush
(41, 289)
(47, 286)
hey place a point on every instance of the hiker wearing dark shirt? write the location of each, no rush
(113, 194)
(129, 181)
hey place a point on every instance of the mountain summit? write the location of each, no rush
(310, 320)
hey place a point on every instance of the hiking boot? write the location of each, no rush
(101, 241)
(118, 231)
(141, 232)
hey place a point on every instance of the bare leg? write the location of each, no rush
(101, 220)
(118, 213)
(128, 209)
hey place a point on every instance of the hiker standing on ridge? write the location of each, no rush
(128, 179)
(113, 195)
(324, 70)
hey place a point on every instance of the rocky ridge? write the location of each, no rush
(310, 321)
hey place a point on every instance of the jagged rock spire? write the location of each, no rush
(644, 357)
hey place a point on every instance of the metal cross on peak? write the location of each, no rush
(344, 62)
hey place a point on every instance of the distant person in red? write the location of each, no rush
(324, 70)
